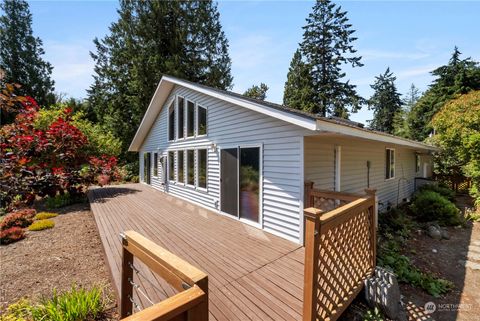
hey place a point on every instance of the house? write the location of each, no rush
(249, 159)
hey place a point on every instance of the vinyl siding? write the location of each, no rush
(230, 126)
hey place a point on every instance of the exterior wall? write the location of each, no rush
(229, 126)
(320, 167)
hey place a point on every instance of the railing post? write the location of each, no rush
(308, 199)
(127, 275)
(200, 312)
(374, 219)
(310, 284)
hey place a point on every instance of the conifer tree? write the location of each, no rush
(326, 47)
(257, 91)
(21, 53)
(299, 91)
(385, 102)
(400, 120)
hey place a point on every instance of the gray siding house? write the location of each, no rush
(249, 159)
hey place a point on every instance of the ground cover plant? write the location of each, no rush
(45, 215)
(41, 225)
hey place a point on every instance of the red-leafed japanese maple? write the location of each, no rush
(47, 161)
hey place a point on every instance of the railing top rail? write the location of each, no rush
(335, 195)
(341, 211)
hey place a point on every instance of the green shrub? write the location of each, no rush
(19, 311)
(373, 315)
(431, 206)
(62, 200)
(440, 189)
(11, 235)
(45, 215)
(395, 221)
(41, 225)
(20, 218)
(78, 304)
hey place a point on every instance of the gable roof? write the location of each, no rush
(297, 117)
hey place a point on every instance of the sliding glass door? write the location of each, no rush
(240, 182)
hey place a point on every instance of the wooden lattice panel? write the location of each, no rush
(345, 259)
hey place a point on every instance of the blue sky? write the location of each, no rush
(410, 37)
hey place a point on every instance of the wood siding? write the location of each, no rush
(231, 126)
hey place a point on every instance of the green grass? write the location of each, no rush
(44, 215)
(41, 225)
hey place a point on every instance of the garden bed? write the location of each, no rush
(70, 253)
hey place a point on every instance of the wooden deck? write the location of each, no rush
(253, 275)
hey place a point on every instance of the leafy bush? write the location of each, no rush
(472, 215)
(11, 235)
(45, 215)
(41, 225)
(442, 190)
(77, 304)
(373, 315)
(431, 206)
(62, 200)
(20, 218)
(395, 221)
(18, 311)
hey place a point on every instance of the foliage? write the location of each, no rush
(45, 215)
(12, 234)
(385, 102)
(400, 119)
(78, 304)
(458, 77)
(431, 206)
(20, 218)
(440, 189)
(62, 200)
(457, 133)
(151, 39)
(21, 53)
(395, 222)
(373, 315)
(257, 91)
(472, 215)
(299, 92)
(326, 47)
(41, 225)
(18, 311)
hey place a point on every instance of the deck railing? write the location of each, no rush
(340, 251)
(326, 200)
(191, 303)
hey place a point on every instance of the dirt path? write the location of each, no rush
(70, 253)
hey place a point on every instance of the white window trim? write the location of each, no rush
(174, 167)
(174, 101)
(155, 165)
(194, 119)
(194, 168)
(197, 106)
(197, 171)
(177, 108)
(178, 167)
(388, 149)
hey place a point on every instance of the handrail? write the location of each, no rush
(193, 283)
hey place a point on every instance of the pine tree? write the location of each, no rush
(400, 120)
(326, 47)
(21, 53)
(150, 39)
(299, 92)
(459, 76)
(257, 91)
(385, 102)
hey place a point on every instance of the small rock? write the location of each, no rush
(434, 251)
(434, 232)
(445, 234)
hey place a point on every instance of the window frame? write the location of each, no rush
(187, 172)
(197, 170)
(170, 169)
(178, 97)
(388, 165)
(177, 161)
(194, 131)
(155, 165)
(417, 163)
(169, 123)
(197, 119)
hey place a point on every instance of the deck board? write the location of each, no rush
(253, 275)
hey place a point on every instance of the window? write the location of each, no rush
(390, 163)
(190, 119)
(417, 163)
(171, 166)
(181, 116)
(155, 164)
(191, 167)
(180, 167)
(201, 121)
(163, 169)
(202, 168)
(171, 121)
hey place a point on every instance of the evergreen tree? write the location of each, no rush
(257, 92)
(459, 76)
(21, 53)
(327, 46)
(400, 120)
(299, 91)
(385, 102)
(150, 39)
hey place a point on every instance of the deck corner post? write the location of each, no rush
(310, 284)
(373, 211)
(126, 305)
(308, 199)
(200, 312)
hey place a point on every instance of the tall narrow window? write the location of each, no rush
(190, 118)
(171, 121)
(390, 163)
(417, 163)
(180, 166)
(191, 167)
(201, 121)
(181, 116)
(155, 164)
(171, 166)
(163, 172)
(202, 168)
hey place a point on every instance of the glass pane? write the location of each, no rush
(162, 168)
(181, 115)
(202, 168)
(171, 121)
(180, 166)
(202, 121)
(171, 166)
(191, 167)
(155, 164)
(249, 183)
(190, 118)
(145, 166)
(387, 162)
